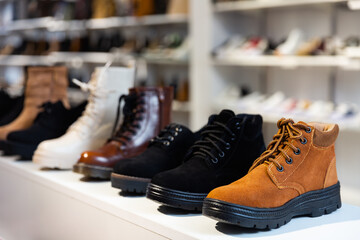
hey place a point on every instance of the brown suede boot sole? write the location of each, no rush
(314, 204)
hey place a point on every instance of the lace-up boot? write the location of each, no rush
(51, 123)
(146, 112)
(94, 127)
(225, 152)
(165, 151)
(295, 176)
(43, 84)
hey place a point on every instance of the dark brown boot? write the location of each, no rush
(43, 84)
(146, 111)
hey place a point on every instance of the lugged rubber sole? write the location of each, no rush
(174, 198)
(93, 171)
(129, 183)
(314, 204)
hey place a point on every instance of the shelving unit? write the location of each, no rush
(291, 61)
(52, 24)
(264, 4)
(327, 78)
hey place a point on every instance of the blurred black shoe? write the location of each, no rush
(49, 124)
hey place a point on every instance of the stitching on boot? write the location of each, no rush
(330, 167)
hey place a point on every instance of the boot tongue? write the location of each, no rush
(223, 117)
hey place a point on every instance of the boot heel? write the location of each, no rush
(327, 202)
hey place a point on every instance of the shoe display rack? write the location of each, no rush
(331, 78)
(51, 204)
(94, 210)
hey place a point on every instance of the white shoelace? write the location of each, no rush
(92, 111)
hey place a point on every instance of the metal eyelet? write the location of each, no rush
(280, 169)
(308, 130)
(297, 151)
(289, 161)
(233, 137)
(221, 154)
(215, 160)
(175, 134)
(171, 138)
(303, 142)
(167, 143)
(178, 129)
(237, 125)
(227, 146)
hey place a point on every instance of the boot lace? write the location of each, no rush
(90, 118)
(211, 138)
(133, 109)
(167, 135)
(288, 131)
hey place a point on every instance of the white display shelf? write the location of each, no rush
(263, 4)
(23, 60)
(291, 62)
(116, 22)
(50, 204)
(350, 125)
(88, 57)
(51, 24)
(165, 61)
(79, 58)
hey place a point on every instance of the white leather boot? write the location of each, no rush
(95, 126)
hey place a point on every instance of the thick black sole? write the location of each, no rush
(314, 204)
(176, 199)
(129, 183)
(25, 151)
(93, 171)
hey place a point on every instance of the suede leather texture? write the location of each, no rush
(51, 123)
(159, 156)
(199, 174)
(313, 169)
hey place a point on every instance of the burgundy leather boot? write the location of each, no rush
(146, 111)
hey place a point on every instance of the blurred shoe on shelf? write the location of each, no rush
(43, 84)
(178, 7)
(344, 111)
(146, 111)
(51, 123)
(225, 49)
(103, 8)
(94, 127)
(292, 43)
(165, 151)
(319, 110)
(309, 48)
(228, 146)
(143, 7)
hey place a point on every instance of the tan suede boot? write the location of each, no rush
(295, 176)
(43, 84)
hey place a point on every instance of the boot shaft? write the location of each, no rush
(110, 85)
(46, 84)
(147, 110)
